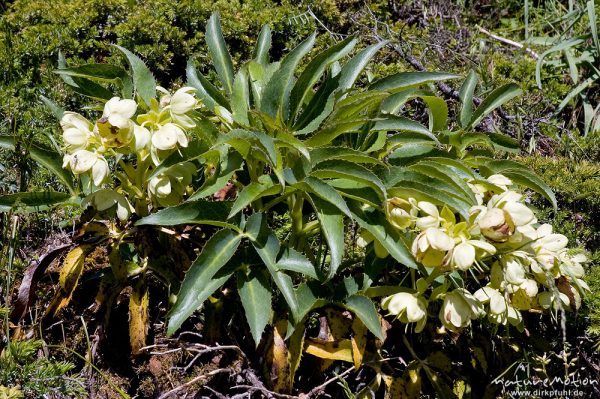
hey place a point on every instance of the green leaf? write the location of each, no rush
(102, 72)
(326, 135)
(219, 53)
(199, 281)
(504, 142)
(467, 90)
(347, 170)
(212, 213)
(230, 163)
(375, 223)
(240, 98)
(323, 190)
(294, 261)
(251, 193)
(255, 294)
(422, 187)
(356, 191)
(247, 142)
(267, 246)
(321, 154)
(402, 124)
(33, 201)
(405, 80)
(284, 139)
(364, 104)
(56, 110)
(313, 72)
(563, 45)
(495, 99)
(355, 66)
(143, 80)
(46, 157)
(331, 220)
(91, 89)
(438, 112)
(260, 75)
(457, 166)
(593, 24)
(206, 91)
(263, 44)
(365, 310)
(447, 174)
(318, 109)
(275, 99)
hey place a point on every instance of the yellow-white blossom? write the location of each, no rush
(465, 253)
(459, 308)
(409, 308)
(142, 138)
(118, 112)
(168, 187)
(105, 199)
(77, 131)
(431, 247)
(168, 136)
(83, 161)
(401, 213)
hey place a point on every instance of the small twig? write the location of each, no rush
(529, 51)
(319, 389)
(265, 391)
(166, 352)
(217, 394)
(194, 380)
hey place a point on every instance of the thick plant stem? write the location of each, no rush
(296, 204)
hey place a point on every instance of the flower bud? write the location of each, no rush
(400, 213)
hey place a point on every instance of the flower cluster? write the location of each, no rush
(525, 266)
(138, 143)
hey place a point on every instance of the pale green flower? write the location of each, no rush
(459, 308)
(142, 139)
(168, 187)
(118, 112)
(168, 136)
(400, 212)
(83, 161)
(408, 308)
(77, 131)
(365, 238)
(431, 247)
(500, 180)
(465, 253)
(105, 199)
(504, 213)
(115, 127)
(514, 271)
(553, 300)
(572, 266)
(180, 105)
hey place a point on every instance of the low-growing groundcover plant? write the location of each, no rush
(344, 228)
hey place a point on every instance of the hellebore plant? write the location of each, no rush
(375, 205)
